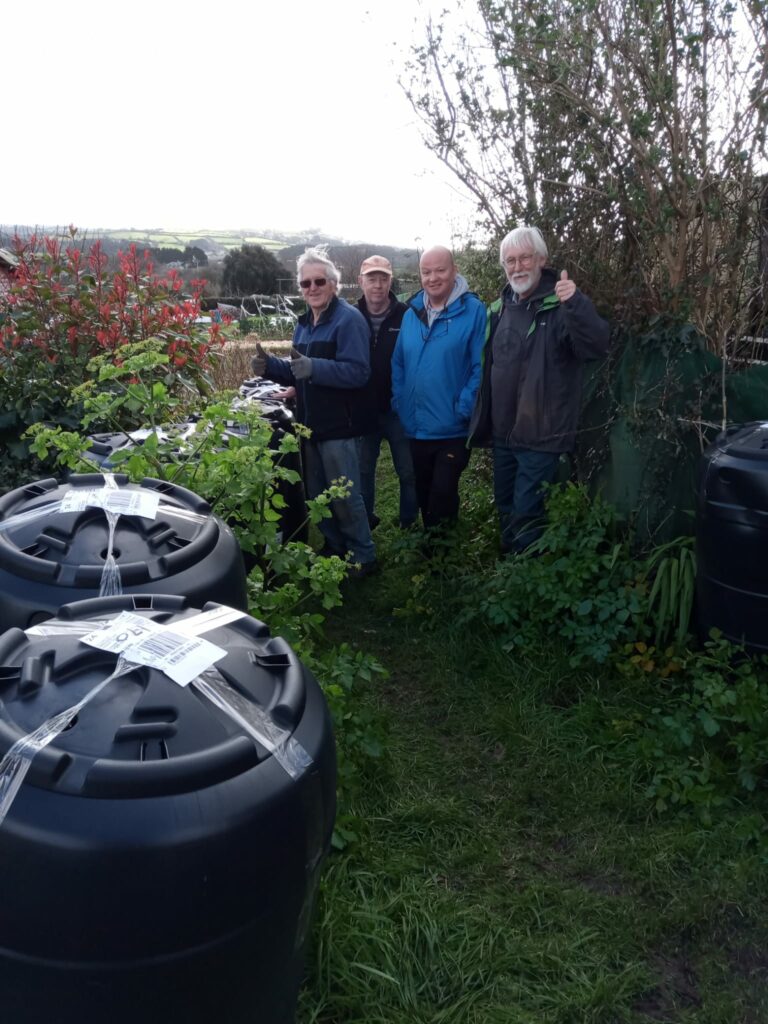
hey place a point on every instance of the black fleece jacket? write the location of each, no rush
(382, 347)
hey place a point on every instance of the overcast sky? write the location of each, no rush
(191, 115)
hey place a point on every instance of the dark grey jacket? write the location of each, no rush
(547, 342)
(382, 348)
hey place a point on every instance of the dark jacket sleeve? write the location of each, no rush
(279, 370)
(588, 333)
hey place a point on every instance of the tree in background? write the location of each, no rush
(633, 134)
(193, 256)
(251, 270)
(166, 255)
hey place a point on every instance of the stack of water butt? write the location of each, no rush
(167, 767)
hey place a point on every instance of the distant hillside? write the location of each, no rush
(213, 242)
(286, 246)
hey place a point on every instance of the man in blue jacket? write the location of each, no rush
(435, 377)
(330, 368)
(541, 332)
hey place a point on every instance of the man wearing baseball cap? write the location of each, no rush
(384, 314)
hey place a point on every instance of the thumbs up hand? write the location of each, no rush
(259, 361)
(565, 288)
(301, 366)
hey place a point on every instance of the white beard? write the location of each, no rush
(522, 283)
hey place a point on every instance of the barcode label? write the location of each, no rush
(144, 642)
(180, 657)
(127, 503)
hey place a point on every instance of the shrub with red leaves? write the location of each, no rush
(65, 306)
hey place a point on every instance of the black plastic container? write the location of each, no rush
(732, 536)
(54, 559)
(158, 863)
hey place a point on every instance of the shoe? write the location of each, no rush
(361, 569)
(373, 521)
(328, 551)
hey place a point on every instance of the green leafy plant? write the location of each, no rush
(578, 582)
(230, 458)
(672, 567)
(704, 738)
(344, 671)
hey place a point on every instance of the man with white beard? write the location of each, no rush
(542, 330)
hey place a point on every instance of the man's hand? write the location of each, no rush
(565, 289)
(259, 361)
(301, 366)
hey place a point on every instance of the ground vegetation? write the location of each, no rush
(519, 856)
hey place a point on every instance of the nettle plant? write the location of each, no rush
(67, 306)
(579, 583)
(703, 737)
(225, 456)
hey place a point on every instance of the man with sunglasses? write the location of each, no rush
(330, 369)
(384, 314)
(541, 331)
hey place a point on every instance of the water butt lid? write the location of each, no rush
(40, 541)
(143, 734)
(748, 441)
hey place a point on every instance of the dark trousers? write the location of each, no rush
(437, 466)
(518, 476)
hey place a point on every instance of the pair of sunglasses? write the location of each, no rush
(318, 282)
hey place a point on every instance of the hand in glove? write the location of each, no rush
(301, 366)
(259, 361)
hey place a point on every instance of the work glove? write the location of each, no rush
(301, 366)
(259, 361)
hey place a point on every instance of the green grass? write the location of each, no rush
(508, 870)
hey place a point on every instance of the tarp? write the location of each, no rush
(649, 411)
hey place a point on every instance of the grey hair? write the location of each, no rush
(523, 235)
(319, 254)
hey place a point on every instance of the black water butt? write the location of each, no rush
(732, 536)
(158, 863)
(49, 558)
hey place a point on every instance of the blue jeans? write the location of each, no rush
(347, 529)
(390, 429)
(518, 476)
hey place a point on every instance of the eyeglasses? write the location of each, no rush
(519, 261)
(318, 282)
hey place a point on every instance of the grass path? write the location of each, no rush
(507, 872)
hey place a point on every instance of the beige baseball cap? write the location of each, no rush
(376, 265)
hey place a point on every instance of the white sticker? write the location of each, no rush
(121, 633)
(182, 658)
(126, 503)
(144, 642)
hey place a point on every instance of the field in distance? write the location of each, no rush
(205, 239)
